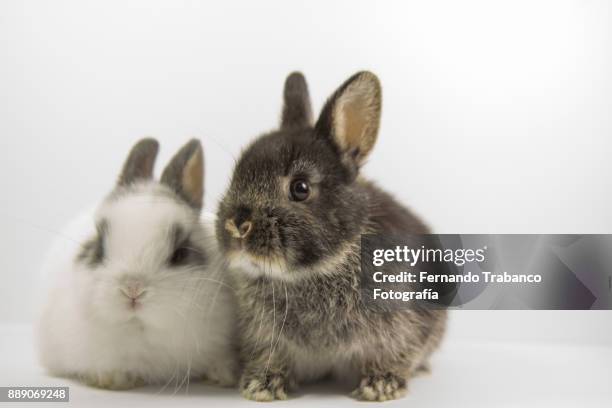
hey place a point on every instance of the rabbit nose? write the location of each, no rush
(239, 226)
(133, 292)
(240, 231)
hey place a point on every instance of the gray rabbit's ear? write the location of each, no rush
(139, 164)
(297, 111)
(351, 116)
(185, 173)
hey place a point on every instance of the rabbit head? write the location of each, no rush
(295, 202)
(145, 260)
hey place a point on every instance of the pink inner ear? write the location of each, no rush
(355, 123)
(356, 119)
(193, 178)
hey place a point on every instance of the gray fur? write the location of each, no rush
(297, 110)
(139, 164)
(93, 250)
(315, 321)
(185, 250)
(360, 95)
(173, 175)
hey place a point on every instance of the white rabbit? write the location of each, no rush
(136, 291)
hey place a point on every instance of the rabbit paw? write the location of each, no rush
(380, 388)
(114, 380)
(264, 388)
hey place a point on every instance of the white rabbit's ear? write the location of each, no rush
(185, 173)
(297, 111)
(351, 116)
(139, 163)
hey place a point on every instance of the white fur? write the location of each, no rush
(241, 260)
(183, 326)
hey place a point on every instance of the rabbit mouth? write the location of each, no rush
(258, 265)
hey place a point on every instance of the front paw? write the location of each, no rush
(264, 388)
(114, 380)
(380, 388)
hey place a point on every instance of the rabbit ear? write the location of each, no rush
(139, 164)
(297, 111)
(351, 116)
(185, 173)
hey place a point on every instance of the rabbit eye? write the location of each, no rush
(299, 190)
(179, 256)
(93, 251)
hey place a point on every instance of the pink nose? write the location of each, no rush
(133, 292)
(240, 231)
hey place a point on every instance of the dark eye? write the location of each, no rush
(299, 189)
(93, 251)
(179, 256)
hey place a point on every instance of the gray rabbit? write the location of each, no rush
(290, 223)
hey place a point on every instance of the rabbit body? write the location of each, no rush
(136, 292)
(290, 224)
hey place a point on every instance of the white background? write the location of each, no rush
(496, 115)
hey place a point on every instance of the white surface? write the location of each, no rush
(496, 119)
(496, 115)
(464, 375)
